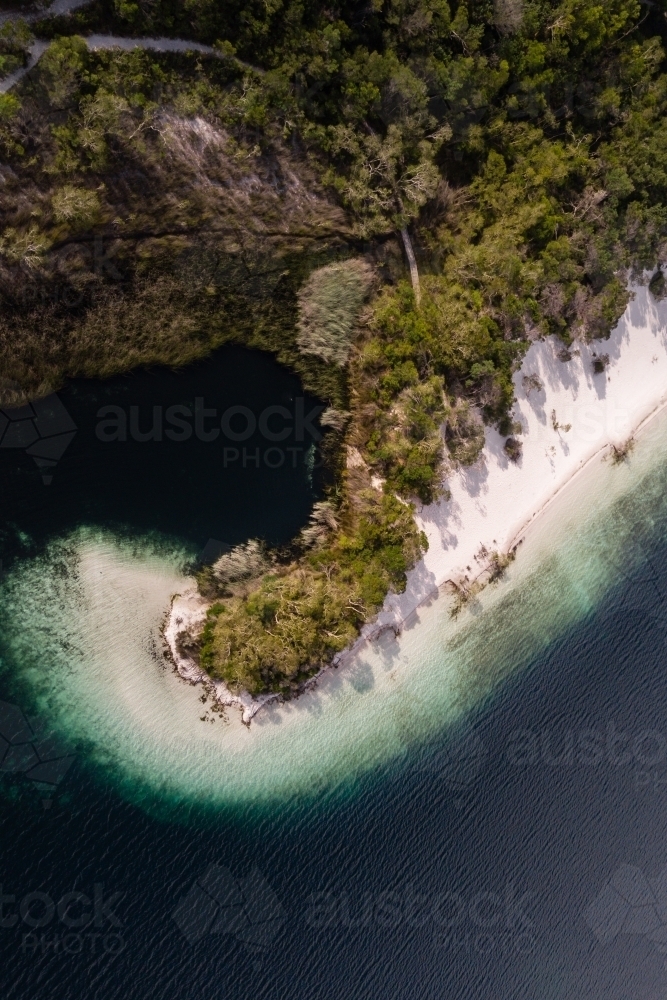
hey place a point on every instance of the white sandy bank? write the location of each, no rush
(187, 614)
(493, 502)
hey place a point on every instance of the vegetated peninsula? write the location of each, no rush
(395, 197)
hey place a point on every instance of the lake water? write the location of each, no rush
(479, 810)
(222, 449)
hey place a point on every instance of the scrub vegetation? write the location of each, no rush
(395, 197)
(15, 37)
(273, 628)
(329, 304)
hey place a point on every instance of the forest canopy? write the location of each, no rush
(520, 143)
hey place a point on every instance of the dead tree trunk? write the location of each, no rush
(414, 273)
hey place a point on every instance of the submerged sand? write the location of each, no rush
(82, 625)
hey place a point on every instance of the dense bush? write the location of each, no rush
(300, 614)
(15, 37)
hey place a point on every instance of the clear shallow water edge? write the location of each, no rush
(81, 643)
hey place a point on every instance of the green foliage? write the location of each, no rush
(464, 434)
(274, 639)
(658, 286)
(386, 179)
(407, 443)
(300, 615)
(26, 248)
(401, 374)
(521, 141)
(62, 69)
(15, 38)
(127, 11)
(9, 107)
(513, 449)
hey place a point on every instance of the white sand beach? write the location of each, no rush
(93, 608)
(492, 503)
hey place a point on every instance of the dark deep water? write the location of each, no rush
(521, 859)
(481, 873)
(223, 449)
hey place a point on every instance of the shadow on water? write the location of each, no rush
(223, 449)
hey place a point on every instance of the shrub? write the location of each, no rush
(329, 304)
(322, 523)
(658, 286)
(335, 419)
(532, 383)
(244, 562)
(9, 107)
(78, 207)
(557, 426)
(408, 445)
(15, 37)
(25, 248)
(621, 452)
(464, 434)
(61, 67)
(513, 449)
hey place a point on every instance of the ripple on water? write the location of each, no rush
(82, 641)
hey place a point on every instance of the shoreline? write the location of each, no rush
(521, 533)
(534, 518)
(493, 504)
(187, 610)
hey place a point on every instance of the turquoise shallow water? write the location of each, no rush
(476, 810)
(81, 642)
